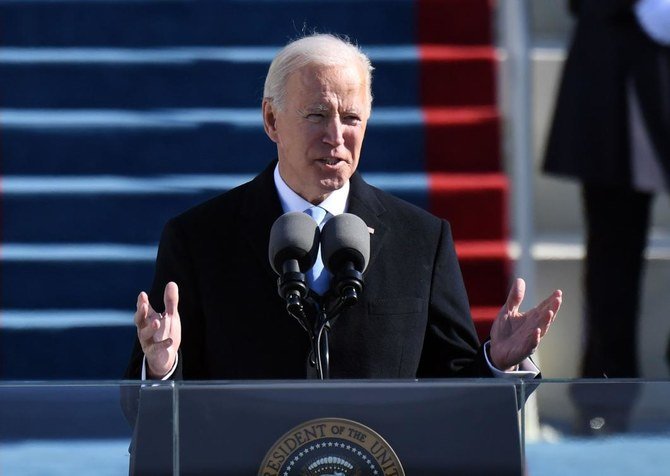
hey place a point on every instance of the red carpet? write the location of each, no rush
(463, 156)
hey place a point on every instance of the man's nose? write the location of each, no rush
(333, 133)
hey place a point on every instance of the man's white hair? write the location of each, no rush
(317, 49)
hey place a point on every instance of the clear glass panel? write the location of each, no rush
(612, 427)
(60, 428)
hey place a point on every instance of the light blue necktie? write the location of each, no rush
(317, 277)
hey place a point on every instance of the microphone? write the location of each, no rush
(345, 249)
(294, 245)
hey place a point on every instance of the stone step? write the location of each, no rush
(213, 22)
(230, 77)
(117, 209)
(232, 141)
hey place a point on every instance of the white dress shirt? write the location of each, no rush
(654, 17)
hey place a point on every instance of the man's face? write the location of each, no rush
(319, 131)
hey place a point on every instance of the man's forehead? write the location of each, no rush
(323, 76)
(324, 85)
(352, 106)
(317, 88)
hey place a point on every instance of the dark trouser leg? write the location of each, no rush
(617, 222)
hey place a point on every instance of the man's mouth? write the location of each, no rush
(330, 161)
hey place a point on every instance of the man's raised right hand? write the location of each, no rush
(159, 334)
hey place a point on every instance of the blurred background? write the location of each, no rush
(558, 228)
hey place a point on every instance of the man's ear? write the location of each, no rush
(269, 120)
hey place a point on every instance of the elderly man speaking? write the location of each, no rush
(214, 311)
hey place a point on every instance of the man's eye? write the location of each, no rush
(315, 117)
(351, 119)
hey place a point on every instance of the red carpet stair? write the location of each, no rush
(463, 143)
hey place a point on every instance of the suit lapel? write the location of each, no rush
(364, 203)
(259, 209)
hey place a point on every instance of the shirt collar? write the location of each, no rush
(335, 204)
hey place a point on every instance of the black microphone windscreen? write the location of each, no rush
(294, 235)
(345, 238)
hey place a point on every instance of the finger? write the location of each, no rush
(171, 298)
(539, 313)
(147, 333)
(552, 302)
(558, 300)
(515, 296)
(161, 345)
(155, 349)
(557, 305)
(534, 340)
(546, 322)
(161, 326)
(142, 309)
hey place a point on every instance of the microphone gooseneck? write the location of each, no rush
(293, 250)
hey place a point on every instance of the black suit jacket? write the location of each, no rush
(413, 319)
(589, 135)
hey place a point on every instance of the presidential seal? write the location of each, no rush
(331, 447)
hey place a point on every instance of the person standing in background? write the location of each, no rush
(611, 131)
